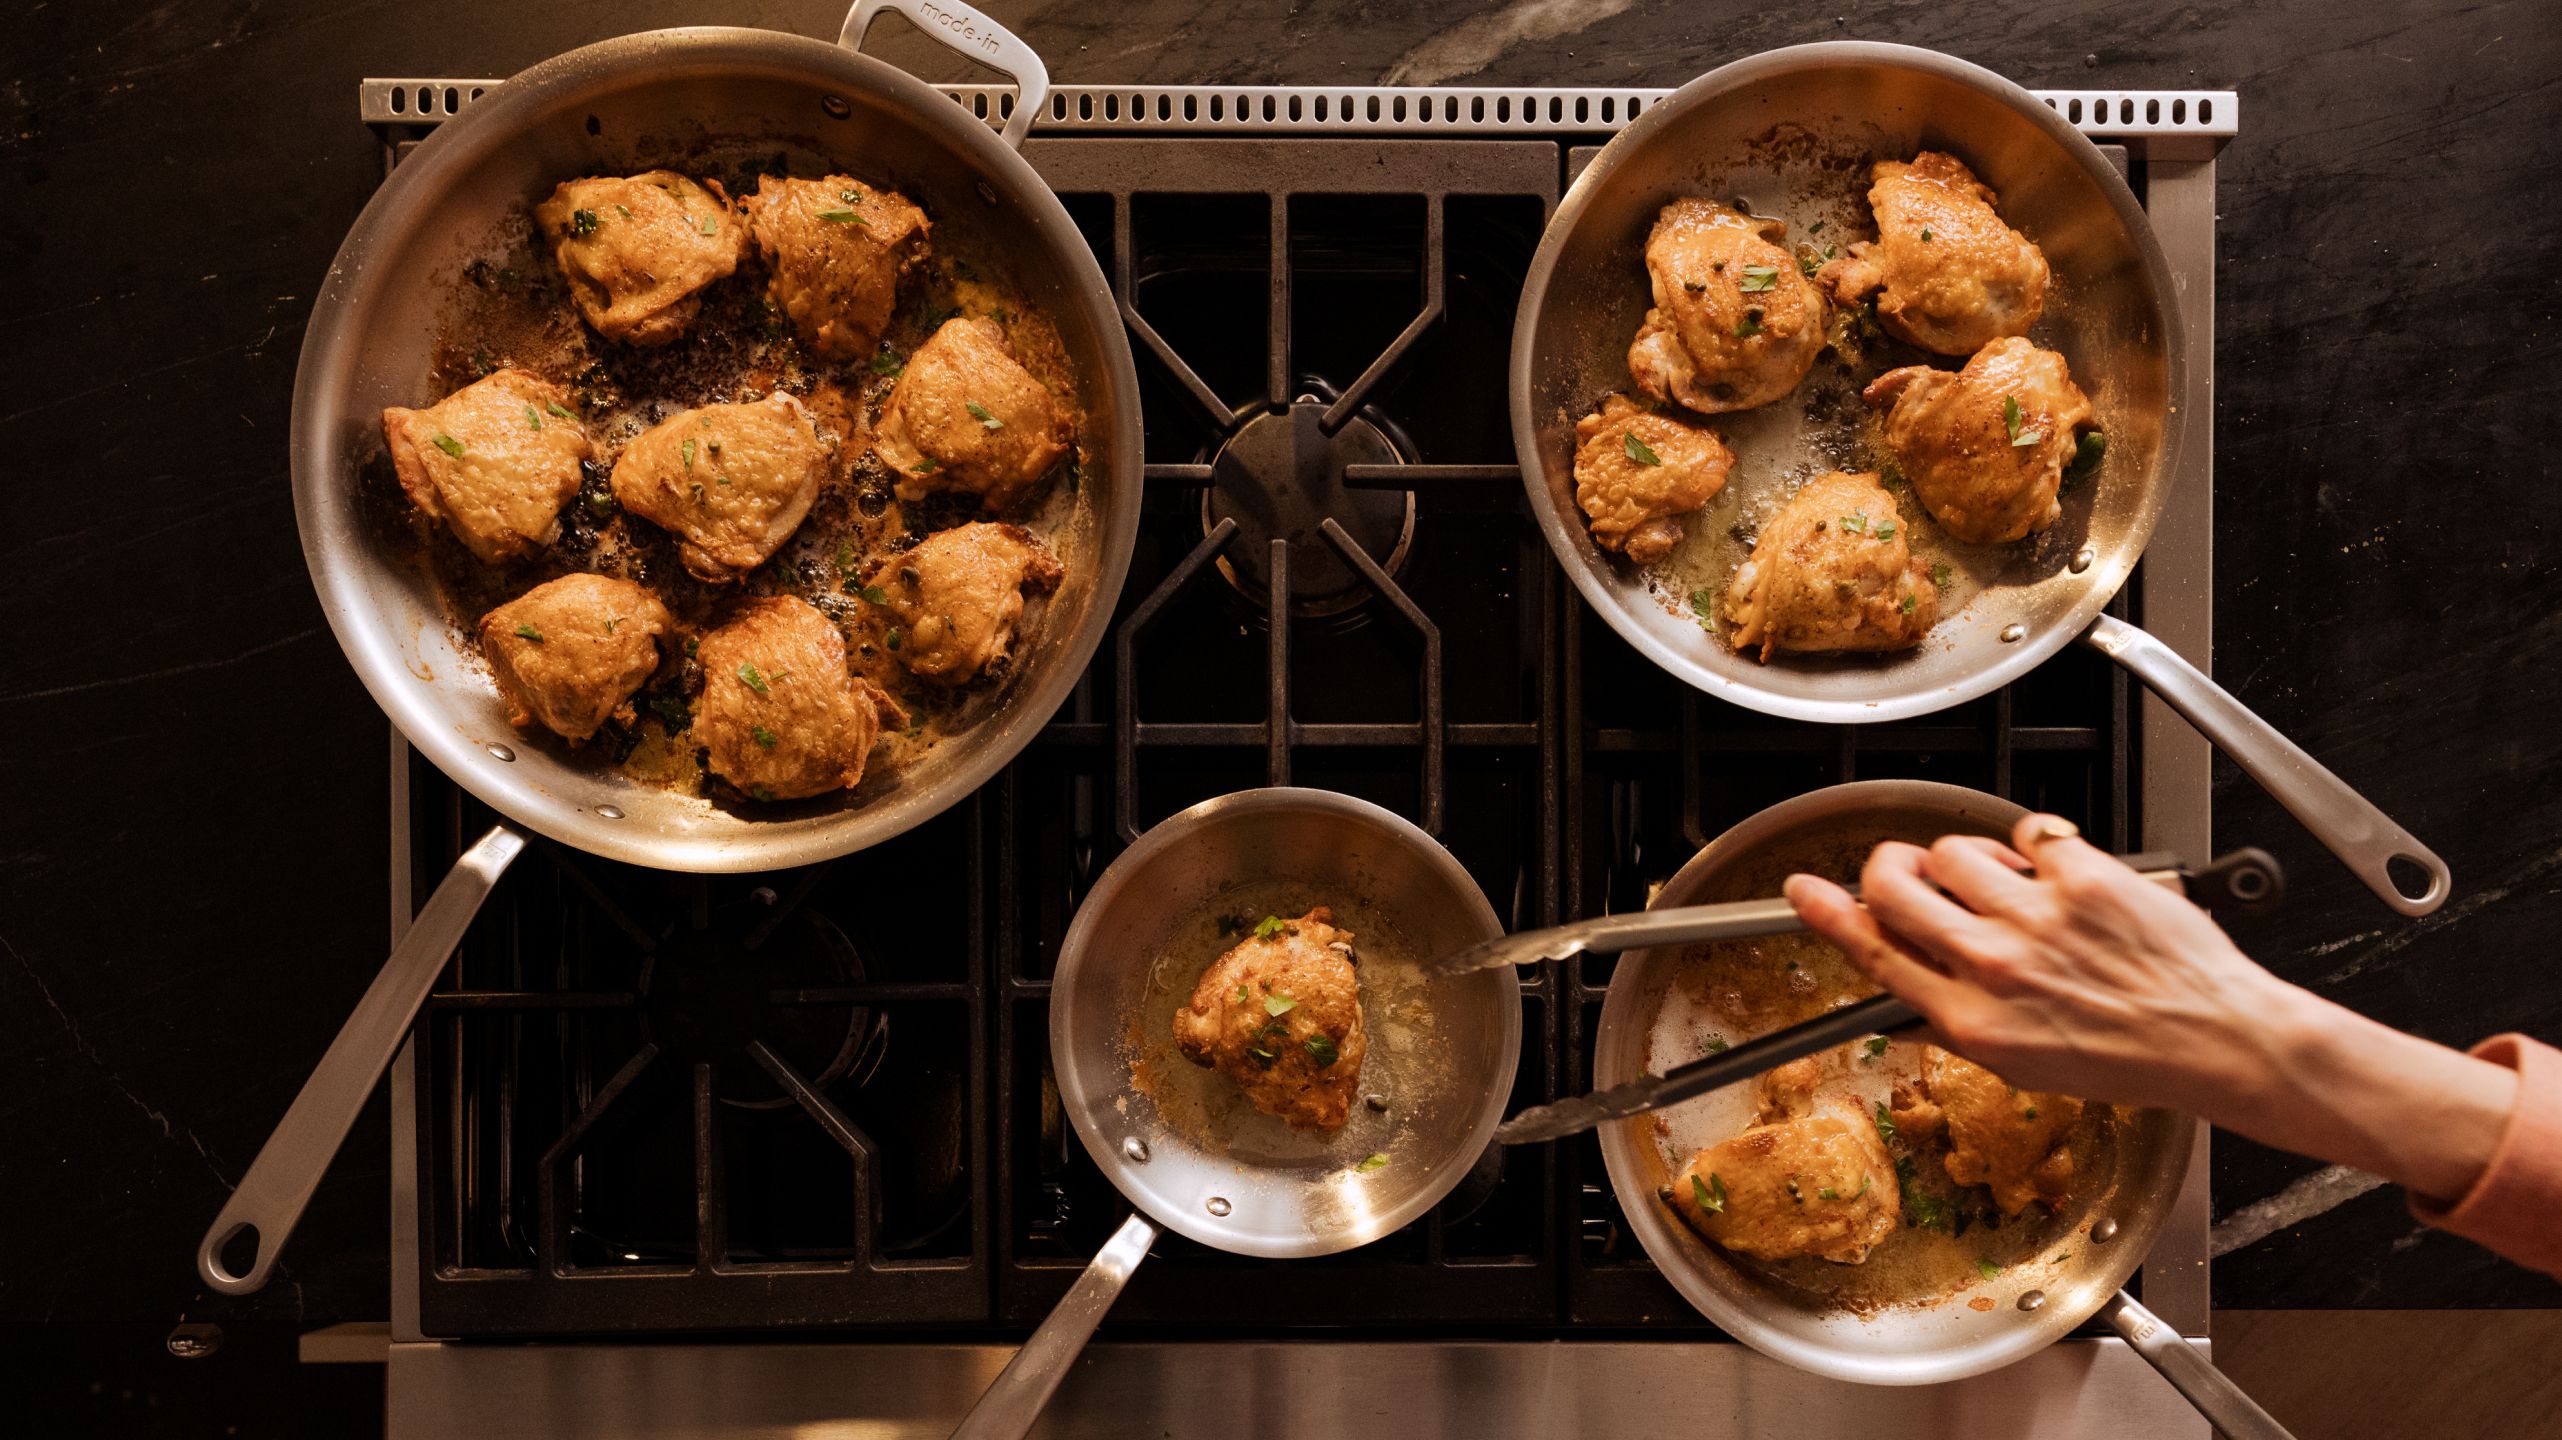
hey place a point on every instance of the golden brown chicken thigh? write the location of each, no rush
(1280, 1015)
(957, 595)
(1985, 446)
(1832, 571)
(1735, 323)
(570, 652)
(780, 715)
(965, 416)
(2014, 1142)
(837, 249)
(640, 250)
(1802, 1181)
(494, 461)
(1948, 274)
(731, 481)
(1638, 472)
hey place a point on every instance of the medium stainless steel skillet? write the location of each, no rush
(1782, 130)
(617, 106)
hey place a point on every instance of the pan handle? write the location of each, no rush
(2365, 838)
(280, 1181)
(2234, 1414)
(963, 30)
(1013, 1404)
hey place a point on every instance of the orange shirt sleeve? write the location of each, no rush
(2515, 1207)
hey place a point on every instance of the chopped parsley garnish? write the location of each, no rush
(888, 362)
(1758, 278)
(2086, 458)
(692, 644)
(1855, 523)
(843, 217)
(844, 558)
(928, 465)
(686, 450)
(1885, 528)
(763, 736)
(1710, 1193)
(979, 413)
(1279, 1004)
(2032, 1112)
(554, 407)
(582, 222)
(1639, 450)
(1242, 993)
(1922, 1208)
(1828, 1193)
(761, 793)
(1987, 1269)
(1372, 1161)
(1808, 264)
(1876, 1046)
(1263, 1055)
(1750, 324)
(613, 623)
(533, 421)
(671, 712)
(1271, 925)
(1940, 575)
(1907, 607)
(875, 594)
(1321, 1050)
(528, 632)
(624, 210)
(1703, 608)
(755, 679)
(1885, 1122)
(1714, 1045)
(1815, 229)
(895, 639)
(850, 197)
(449, 445)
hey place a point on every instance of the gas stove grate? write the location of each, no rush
(608, 1137)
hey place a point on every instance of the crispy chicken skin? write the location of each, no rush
(957, 595)
(1948, 274)
(1638, 472)
(2016, 1143)
(570, 652)
(965, 416)
(640, 250)
(836, 250)
(780, 715)
(1735, 323)
(1985, 446)
(1796, 1183)
(731, 481)
(1281, 1016)
(494, 461)
(1832, 572)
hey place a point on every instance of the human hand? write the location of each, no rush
(2053, 965)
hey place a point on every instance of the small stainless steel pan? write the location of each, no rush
(369, 345)
(2099, 1242)
(1780, 130)
(1177, 1141)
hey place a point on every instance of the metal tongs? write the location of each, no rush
(2241, 882)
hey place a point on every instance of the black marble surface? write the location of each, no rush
(192, 824)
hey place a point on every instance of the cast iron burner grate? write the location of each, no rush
(822, 1099)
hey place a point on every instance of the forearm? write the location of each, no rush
(2340, 1087)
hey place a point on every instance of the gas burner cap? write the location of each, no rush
(1278, 476)
(705, 996)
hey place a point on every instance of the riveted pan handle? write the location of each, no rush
(1013, 1404)
(2365, 838)
(280, 1181)
(2231, 1410)
(964, 30)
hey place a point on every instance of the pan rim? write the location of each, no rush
(1566, 535)
(1084, 1107)
(1668, 1244)
(324, 503)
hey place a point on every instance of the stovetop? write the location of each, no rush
(818, 1103)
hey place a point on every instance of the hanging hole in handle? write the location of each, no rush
(2411, 878)
(236, 1254)
(2249, 885)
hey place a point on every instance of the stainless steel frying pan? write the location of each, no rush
(1175, 1140)
(1763, 129)
(2101, 1239)
(372, 329)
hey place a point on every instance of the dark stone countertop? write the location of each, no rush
(192, 885)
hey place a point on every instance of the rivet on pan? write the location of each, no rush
(2032, 1300)
(610, 812)
(2013, 633)
(1376, 1102)
(2082, 559)
(2105, 1230)
(836, 105)
(502, 752)
(1219, 1205)
(987, 192)
(1137, 1150)
(763, 895)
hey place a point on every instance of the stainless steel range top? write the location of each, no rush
(779, 1154)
